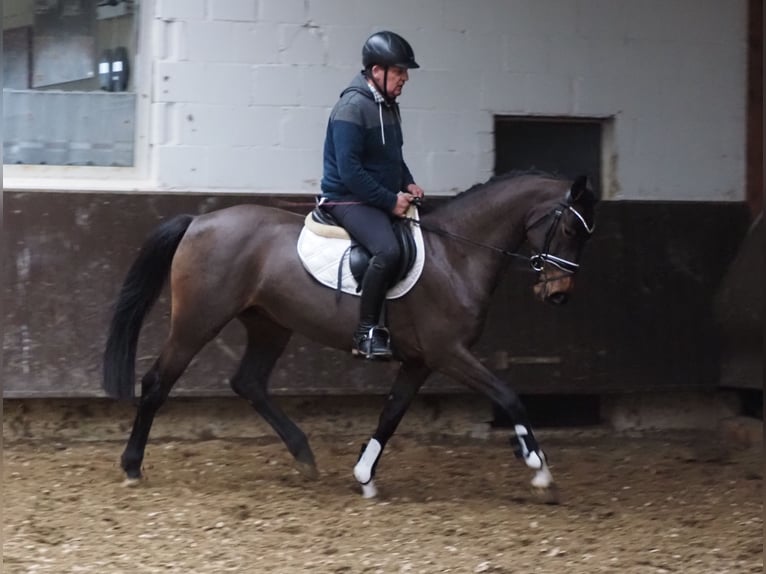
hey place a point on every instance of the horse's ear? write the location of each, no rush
(578, 189)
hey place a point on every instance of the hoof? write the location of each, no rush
(306, 469)
(131, 482)
(546, 495)
(369, 490)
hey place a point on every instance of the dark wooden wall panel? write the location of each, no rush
(641, 317)
(755, 188)
(739, 311)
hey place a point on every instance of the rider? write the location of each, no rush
(366, 182)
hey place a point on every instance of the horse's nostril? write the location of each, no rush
(558, 298)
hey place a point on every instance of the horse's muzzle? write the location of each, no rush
(558, 298)
(554, 290)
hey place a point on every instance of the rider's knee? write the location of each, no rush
(386, 258)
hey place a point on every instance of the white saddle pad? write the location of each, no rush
(321, 256)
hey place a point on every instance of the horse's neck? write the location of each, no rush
(495, 219)
(475, 236)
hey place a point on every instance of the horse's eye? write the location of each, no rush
(568, 232)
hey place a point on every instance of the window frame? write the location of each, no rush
(28, 177)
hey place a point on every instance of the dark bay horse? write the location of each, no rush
(242, 263)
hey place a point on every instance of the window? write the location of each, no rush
(565, 146)
(68, 91)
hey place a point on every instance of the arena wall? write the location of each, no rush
(232, 102)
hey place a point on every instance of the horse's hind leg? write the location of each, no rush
(266, 341)
(410, 378)
(155, 388)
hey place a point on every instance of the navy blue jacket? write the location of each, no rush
(363, 149)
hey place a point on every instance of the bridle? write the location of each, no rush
(538, 260)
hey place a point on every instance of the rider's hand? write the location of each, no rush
(415, 189)
(403, 201)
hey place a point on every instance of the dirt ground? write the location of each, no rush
(641, 504)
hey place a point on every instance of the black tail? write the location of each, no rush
(139, 292)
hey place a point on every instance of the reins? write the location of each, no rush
(532, 260)
(445, 233)
(536, 261)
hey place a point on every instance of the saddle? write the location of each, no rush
(324, 224)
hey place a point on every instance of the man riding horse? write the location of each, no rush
(366, 182)
(241, 263)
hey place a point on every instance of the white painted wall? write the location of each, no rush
(241, 89)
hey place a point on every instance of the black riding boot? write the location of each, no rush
(371, 340)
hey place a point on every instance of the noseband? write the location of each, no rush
(538, 260)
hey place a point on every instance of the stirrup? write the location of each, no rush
(374, 344)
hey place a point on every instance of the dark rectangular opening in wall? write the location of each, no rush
(562, 146)
(551, 411)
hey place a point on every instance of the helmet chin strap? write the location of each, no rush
(384, 90)
(385, 84)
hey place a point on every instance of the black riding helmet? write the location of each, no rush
(388, 49)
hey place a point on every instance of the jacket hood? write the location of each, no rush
(358, 84)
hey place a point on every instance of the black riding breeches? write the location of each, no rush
(371, 227)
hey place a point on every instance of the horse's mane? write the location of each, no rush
(499, 178)
(513, 174)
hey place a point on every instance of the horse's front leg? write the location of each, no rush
(467, 369)
(408, 381)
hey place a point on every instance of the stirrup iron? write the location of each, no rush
(374, 344)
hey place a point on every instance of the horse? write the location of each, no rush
(241, 263)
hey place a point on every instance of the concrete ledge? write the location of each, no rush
(188, 418)
(467, 416)
(745, 432)
(669, 411)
